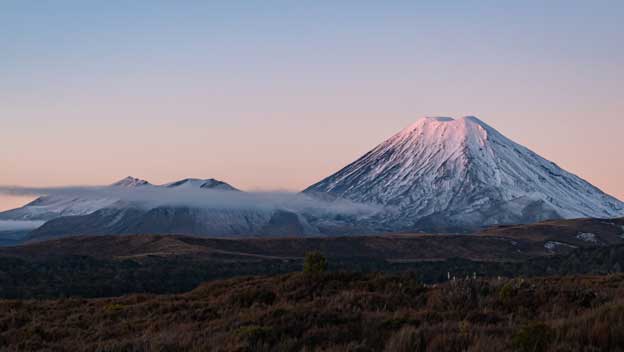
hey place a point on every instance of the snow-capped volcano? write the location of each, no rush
(445, 172)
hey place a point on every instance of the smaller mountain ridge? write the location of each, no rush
(54, 206)
(111, 213)
(131, 182)
(209, 183)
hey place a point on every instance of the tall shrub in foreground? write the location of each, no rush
(314, 263)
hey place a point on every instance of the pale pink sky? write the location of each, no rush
(279, 97)
(254, 156)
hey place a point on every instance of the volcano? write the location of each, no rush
(444, 173)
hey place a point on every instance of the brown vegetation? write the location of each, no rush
(332, 312)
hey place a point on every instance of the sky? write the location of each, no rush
(276, 95)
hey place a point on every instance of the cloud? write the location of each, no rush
(156, 196)
(18, 225)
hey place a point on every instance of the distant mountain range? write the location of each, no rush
(438, 175)
(55, 206)
(99, 215)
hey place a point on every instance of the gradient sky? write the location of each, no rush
(278, 94)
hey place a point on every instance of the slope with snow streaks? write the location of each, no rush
(442, 171)
(54, 206)
(50, 207)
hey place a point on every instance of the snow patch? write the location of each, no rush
(587, 237)
(552, 245)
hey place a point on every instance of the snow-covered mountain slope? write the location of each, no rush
(442, 172)
(131, 182)
(194, 183)
(58, 205)
(134, 206)
(54, 206)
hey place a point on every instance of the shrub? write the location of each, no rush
(406, 340)
(114, 307)
(314, 263)
(254, 334)
(506, 292)
(251, 296)
(330, 312)
(533, 337)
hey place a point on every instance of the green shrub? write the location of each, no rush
(114, 308)
(506, 292)
(314, 263)
(533, 337)
(254, 334)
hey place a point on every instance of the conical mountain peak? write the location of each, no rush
(443, 136)
(464, 172)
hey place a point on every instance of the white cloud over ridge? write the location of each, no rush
(155, 196)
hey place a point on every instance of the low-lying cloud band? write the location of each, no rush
(155, 196)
